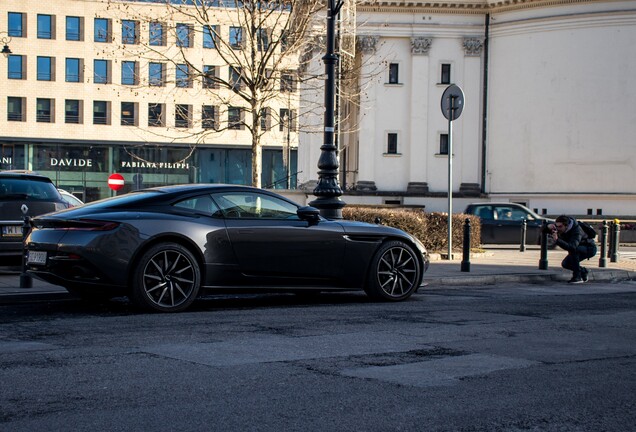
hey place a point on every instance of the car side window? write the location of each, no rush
(250, 205)
(199, 204)
(484, 212)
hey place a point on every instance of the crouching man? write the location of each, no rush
(569, 235)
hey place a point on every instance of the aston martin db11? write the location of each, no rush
(164, 246)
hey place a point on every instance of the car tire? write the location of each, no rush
(394, 274)
(167, 278)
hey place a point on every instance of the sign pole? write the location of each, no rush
(450, 179)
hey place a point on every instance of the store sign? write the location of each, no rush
(8, 160)
(71, 162)
(155, 165)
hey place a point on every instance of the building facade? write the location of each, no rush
(544, 121)
(94, 87)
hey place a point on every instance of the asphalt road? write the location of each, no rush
(497, 358)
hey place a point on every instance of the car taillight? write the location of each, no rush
(75, 225)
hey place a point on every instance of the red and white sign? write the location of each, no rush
(116, 181)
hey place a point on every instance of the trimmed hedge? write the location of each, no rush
(430, 228)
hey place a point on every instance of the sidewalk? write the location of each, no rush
(498, 264)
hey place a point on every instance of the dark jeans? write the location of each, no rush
(572, 261)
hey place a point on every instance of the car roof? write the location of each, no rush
(24, 175)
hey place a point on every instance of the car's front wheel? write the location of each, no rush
(166, 279)
(394, 273)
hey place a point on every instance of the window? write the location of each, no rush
(262, 39)
(101, 71)
(44, 110)
(284, 41)
(157, 34)
(446, 74)
(72, 111)
(156, 74)
(209, 75)
(73, 28)
(287, 82)
(45, 27)
(208, 120)
(200, 204)
(210, 33)
(17, 24)
(102, 30)
(73, 70)
(443, 144)
(45, 69)
(16, 67)
(182, 116)
(265, 119)
(234, 115)
(183, 76)
(101, 112)
(235, 78)
(15, 109)
(286, 118)
(128, 114)
(129, 73)
(184, 35)
(236, 37)
(156, 115)
(254, 205)
(129, 32)
(392, 143)
(393, 73)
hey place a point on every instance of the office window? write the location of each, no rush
(443, 144)
(262, 39)
(102, 30)
(129, 32)
(209, 118)
(101, 112)
(157, 34)
(235, 78)
(286, 118)
(156, 114)
(17, 24)
(182, 115)
(393, 73)
(128, 114)
(44, 110)
(183, 76)
(287, 82)
(156, 72)
(234, 117)
(101, 71)
(184, 35)
(16, 67)
(265, 119)
(446, 74)
(46, 26)
(129, 73)
(209, 75)
(73, 28)
(236, 37)
(45, 69)
(210, 33)
(72, 111)
(15, 108)
(73, 70)
(392, 143)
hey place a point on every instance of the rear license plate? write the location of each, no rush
(36, 257)
(12, 230)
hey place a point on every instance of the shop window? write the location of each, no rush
(73, 111)
(209, 76)
(102, 30)
(44, 110)
(129, 114)
(210, 33)
(101, 72)
(156, 115)
(74, 28)
(392, 143)
(156, 73)
(182, 116)
(129, 73)
(16, 67)
(184, 35)
(45, 68)
(446, 74)
(17, 24)
(73, 70)
(101, 112)
(157, 34)
(46, 26)
(209, 118)
(15, 108)
(234, 118)
(129, 32)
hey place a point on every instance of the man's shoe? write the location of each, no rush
(584, 273)
(576, 281)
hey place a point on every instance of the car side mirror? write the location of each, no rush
(308, 213)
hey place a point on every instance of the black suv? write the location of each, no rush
(501, 222)
(34, 191)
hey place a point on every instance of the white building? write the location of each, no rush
(547, 119)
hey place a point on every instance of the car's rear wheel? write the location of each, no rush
(394, 273)
(166, 279)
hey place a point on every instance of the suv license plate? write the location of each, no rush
(12, 230)
(36, 257)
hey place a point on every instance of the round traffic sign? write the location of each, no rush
(452, 102)
(116, 181)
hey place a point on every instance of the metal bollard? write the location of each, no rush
(543, 261)
(610, 247)
(25, 279)
(602, 261)
(524, 230)
(616, 231)
(466, 247)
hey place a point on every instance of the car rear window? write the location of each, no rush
(20, 188)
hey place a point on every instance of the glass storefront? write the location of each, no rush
(83, 169)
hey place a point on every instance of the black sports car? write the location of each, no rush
(162, 246)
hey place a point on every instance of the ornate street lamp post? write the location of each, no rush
(328, 190)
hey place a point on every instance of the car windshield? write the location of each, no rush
(20, 188)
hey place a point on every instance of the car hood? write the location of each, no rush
(355, 228)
